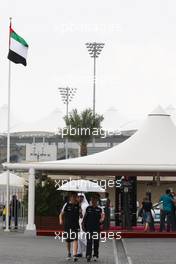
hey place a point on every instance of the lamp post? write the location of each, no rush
(67, 95)
(94, 50)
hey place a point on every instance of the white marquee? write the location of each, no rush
(151, 148)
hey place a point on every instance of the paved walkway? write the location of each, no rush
(151, 251)
(15, 248)
(18, 249)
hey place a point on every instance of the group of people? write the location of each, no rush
(82, 223)
(167, 204)
(14, 207)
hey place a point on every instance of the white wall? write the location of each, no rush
(44, 151)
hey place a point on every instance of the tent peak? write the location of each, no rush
(159, 111)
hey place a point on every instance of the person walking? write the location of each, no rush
(174, 212)
(166, 211)
(82, 242)
(69, 216)
(4, 213)
(147, 217)
(93, 218)
(15, 210)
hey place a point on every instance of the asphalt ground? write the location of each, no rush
(151, 251)
(20, 249)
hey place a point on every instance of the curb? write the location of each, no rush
(126, 252)
(116, 260)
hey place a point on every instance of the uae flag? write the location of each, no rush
(18, 48)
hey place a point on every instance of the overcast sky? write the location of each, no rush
(136, 71)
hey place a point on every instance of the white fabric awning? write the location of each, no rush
(151, 148)
(14, 180)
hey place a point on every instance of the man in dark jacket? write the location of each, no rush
(15, 210)
(70, 214)
(94, 216)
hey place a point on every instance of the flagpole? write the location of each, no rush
(8, 140)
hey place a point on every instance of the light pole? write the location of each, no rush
(67, 95)
(94, 50)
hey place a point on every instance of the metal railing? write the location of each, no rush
(17, 210)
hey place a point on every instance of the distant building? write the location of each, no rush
(44, 146)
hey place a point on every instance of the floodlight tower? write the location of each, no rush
(94, 50)
(67, 95)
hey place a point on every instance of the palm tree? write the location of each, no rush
(82, 127)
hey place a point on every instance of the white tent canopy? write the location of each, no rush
(113, 114)
(151, 148)
(3, 120)
(14, 180)
(50, 123)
